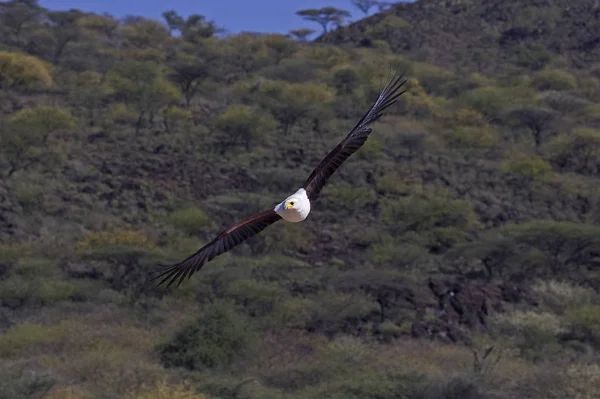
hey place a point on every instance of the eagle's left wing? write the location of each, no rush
(354, 140)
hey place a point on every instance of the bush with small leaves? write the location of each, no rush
(244, 124)
(291, 102)
(216, 339)
(584, 323)
(164, 390)
(434, 216)
(192, 220)
(102, 239)
(531, 167)
(491, 101)
(534, 331)
(280, 46)
(471, 137)
(558, 296)
(345, 79)
(22, 70)
(578, 151)
(174, 117)
(42, 121)
(554, 79)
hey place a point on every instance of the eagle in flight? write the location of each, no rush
(294, 208)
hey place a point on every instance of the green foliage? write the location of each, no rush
(258, 298)
(216, 339)
(471, 137)
(324, 16)
(530, 167)
(143, 86)
(554, 79)
(191, 220)
(245, 124)
(387, 27)
(491, 101)
(102, 239)
(280, 46)
(27, 337)
(534, 331)
(435, 215)
(41, 121)
(345, 79)
(585, 323)
(290, 102)
(88, 91)
(164, 390)
(578, 151)
(22, 141)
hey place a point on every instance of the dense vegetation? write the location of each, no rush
(454, 256)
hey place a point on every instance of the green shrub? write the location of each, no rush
(245, 124)
(585, 323)
(554, 79)
(531, 167)
(191, 220)
(50, 291)
(216, 339)
(257, 298)
(471, 137)
(533, 331)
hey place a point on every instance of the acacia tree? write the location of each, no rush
(537, 119)
(174, 21)
(142, 85)
(23, 139)
(65, 29)
(188, 73)
(365, 5)
(324, 16)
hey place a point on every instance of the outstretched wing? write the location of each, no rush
(225, 241)
(354, 140)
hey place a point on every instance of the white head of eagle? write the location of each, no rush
(294, 208)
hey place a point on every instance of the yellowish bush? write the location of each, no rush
(464, 117)
(101, 239)
(50, 291)
(30, 338)
(164, 390)
(18, 69)
(67, 393)
(121, 113)
(532, 167)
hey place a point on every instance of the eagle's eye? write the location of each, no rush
(292, 203)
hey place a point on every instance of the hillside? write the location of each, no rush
(486, 35)
(455, 255)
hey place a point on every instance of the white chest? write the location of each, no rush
(300, 209)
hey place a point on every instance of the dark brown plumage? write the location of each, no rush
(253, 225)
(354, 140)
(225, 241)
